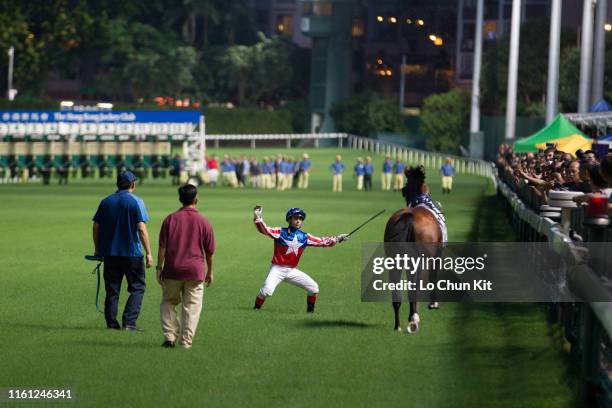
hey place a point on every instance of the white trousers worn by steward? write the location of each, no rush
(278, 274)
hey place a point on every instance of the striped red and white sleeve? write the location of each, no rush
(322, 241)
(272, 232)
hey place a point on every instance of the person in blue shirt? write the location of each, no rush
(278, 175)
(118, 230)
(367, 177)
(305, 166)
(359, 173)
(387, 172)
(398, 169)
(448, 171)
(267, 168)
(228, 170)
(337, 168)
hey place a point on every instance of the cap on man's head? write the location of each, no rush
(125, 178)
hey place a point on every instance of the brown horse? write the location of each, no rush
(414, 225)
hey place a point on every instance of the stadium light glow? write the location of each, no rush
(608, 27)
(432, 37)
(438, 41)
(380, 19)
(392, 20)
(104, 105)
(379, 61)
(66, 104)
(408, 21)
(389, 72)
(420, 22)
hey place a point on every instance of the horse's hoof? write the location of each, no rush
(413, 324)
(434, 306)
(398, 329)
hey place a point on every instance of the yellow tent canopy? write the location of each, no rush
(568, 144)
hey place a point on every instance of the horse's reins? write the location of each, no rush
(96, 270)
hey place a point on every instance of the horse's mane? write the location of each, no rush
(415, 176)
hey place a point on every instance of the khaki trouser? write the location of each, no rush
(230, 179)
(303, 180)
(337, 183)
(399, 182)
(386, 181)
(359, 183)
(266, 180)
(288, 181)
(447, 182)
(190, 294)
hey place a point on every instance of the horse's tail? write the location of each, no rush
(400, 227)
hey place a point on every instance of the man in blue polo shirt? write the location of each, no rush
(447, 170)
(305, 166)
(359, 173)
(337, 168)
(367, 177)
(387, 173)
(398, 169)
(118, 229)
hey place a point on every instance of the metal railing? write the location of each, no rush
(586, 326)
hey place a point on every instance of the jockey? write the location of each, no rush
(417, 195)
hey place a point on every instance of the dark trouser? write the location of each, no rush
(367, 182)
(115, 268)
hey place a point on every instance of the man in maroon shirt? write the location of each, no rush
(186, 240)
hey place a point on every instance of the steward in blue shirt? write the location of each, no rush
(367, 177)
(118, 229)
(337, 168)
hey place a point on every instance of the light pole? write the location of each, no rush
(586, 56)
(402, 82)
(552, 89)
(9, 91)
(476, 142)
(513, 70)
(599, 51)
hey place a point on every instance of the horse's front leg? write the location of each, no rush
(396, 309)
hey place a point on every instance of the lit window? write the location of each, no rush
(358, 28)
(284, 24)
(322, 8)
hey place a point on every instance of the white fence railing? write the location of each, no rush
(462, 165)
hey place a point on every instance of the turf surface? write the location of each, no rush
(346, 354)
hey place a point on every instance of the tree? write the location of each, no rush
(533, 63)
(445, 120)
(143, 62)
(569, 74)
(256, 72)
(368, 114)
